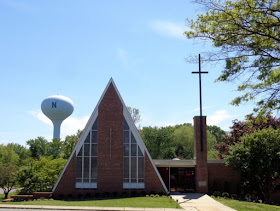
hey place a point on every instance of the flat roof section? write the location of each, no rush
(175, 163)
(181, 163)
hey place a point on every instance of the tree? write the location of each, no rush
(158, 141)
(257, 157)
(69, 144)
(54, 148)
(240, 128)
(40, 175)
(135, 114)
(37, 147)
(21, 151)
(174, 141)
(183, 141)
(216, 131)
(8, 169)
(246, 34)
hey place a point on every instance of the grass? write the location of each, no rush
(151, 202)
(246, 206)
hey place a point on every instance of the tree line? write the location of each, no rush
(252, 147)
(38, 166)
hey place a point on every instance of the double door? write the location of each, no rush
(182, 180)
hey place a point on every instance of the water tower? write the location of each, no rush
(57, 108)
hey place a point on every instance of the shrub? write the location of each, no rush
(114, 194)
(80, 195)
(225, 195)
(61, 196)
(161, 192)
(106, 194)
(70, 196)
(134, 194)
(216, 193)
(143, 193)
(147, 195)
(124, 194)
(156, 195)
(233, 196)
(152, 195)
(88, 195)
(97, 195)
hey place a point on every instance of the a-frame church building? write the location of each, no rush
(110, 155)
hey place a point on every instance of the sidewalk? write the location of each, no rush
(199, 202)
(84, 208)
(188, 201)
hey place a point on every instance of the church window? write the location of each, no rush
(133, 161)
(86, 161)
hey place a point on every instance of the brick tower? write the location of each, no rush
(200, 155)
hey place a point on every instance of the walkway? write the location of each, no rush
(199, 202)
(189, 201)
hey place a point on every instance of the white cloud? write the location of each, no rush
(218, 117)
(122, 54)
(39, 115)
(168, 29)
(68, 127)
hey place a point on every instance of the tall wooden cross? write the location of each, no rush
(200, 94)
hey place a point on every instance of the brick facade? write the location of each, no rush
(109, 160)
(223, 178)
(110, 116)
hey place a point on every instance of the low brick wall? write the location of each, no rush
(22, 197)
(46, 195)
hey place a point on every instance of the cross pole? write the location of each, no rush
(200, 93)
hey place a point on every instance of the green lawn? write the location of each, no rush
(246, 206)
(152, 202)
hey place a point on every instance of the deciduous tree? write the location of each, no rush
(8, 169)
(37, 147)
(239, 128)
(257, 157)
(246, 34)
(135, 114)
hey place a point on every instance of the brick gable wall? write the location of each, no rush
(110, 162)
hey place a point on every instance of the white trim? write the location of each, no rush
(85, 185)
(87, 128)
(86, 131)
(140, 142)
(133, 185)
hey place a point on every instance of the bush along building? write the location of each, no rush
(111, 157)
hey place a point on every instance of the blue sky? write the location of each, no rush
(73, 48)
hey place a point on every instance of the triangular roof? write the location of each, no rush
(131, 124)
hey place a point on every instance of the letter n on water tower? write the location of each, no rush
(54, 104)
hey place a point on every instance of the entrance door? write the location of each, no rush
(182, 179)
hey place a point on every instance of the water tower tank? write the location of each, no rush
(57, 108)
